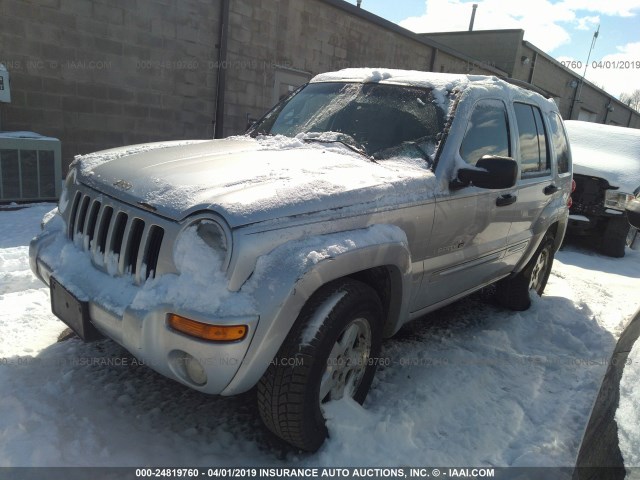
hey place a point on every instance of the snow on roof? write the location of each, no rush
(605, 151)
(440, 83)
(21, 134)
(398, 77)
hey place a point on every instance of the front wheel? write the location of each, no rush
(329, 353)
(514, 292)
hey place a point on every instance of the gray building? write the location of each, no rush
(103, 73)
(507, 50)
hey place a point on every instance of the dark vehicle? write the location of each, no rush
(607, 174)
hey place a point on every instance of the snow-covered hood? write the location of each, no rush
(248, 180)
(605, 151)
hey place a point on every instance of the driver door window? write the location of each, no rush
(487, 132)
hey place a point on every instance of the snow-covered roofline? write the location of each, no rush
(440, 83)
(413, 78)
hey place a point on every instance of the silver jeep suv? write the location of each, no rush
(282, 258)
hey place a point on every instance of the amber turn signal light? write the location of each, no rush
(216, 333)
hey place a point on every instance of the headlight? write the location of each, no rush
(213, 235)
(617, 200)
(203, 241)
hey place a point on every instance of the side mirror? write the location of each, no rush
(497, 173)
(633, 212)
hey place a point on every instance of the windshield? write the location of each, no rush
(381, 121)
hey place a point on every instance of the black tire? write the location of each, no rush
(614, 237)
(289, 392)
(514, 292)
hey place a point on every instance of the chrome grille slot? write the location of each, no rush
(115, 234)
(90, 228)
(133, 245)
(103, 230)
(73, 215)
(82, 214)
(152, 252)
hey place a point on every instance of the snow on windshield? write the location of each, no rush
(606, 151)
(372, 117)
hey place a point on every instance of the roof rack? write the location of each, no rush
(528, 86)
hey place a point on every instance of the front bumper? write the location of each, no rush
(146, 335)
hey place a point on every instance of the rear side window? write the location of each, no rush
(560, 143)
(534, 151)
(487, 132)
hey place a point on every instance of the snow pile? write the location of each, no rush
(478, 386)
(628, 413)
(199, 267)
(26, 322)
(200, 286)
(605, 151)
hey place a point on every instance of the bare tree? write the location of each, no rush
(632, 99)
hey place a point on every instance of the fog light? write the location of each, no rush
(217, 333)
(195, 370)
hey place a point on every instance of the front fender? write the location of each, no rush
(288, 276)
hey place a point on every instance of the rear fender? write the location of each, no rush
(554, 217)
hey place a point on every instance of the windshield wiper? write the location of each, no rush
(343, 139)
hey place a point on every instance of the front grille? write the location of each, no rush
(588, 197)
(119, 241)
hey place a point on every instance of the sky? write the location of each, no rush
(562, 28)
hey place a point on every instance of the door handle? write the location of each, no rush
(550, 189)
(504, 200)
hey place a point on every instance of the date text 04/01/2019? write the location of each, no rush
(604, 64)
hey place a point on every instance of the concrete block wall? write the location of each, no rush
(104, 73)
(310, 37)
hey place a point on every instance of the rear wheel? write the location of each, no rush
(327, 355)
(514, 292)
(614, 237)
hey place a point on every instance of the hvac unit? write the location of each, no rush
(30, 167)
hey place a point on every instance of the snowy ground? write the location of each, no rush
(472, 384)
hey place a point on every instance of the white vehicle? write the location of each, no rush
(606, 169)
